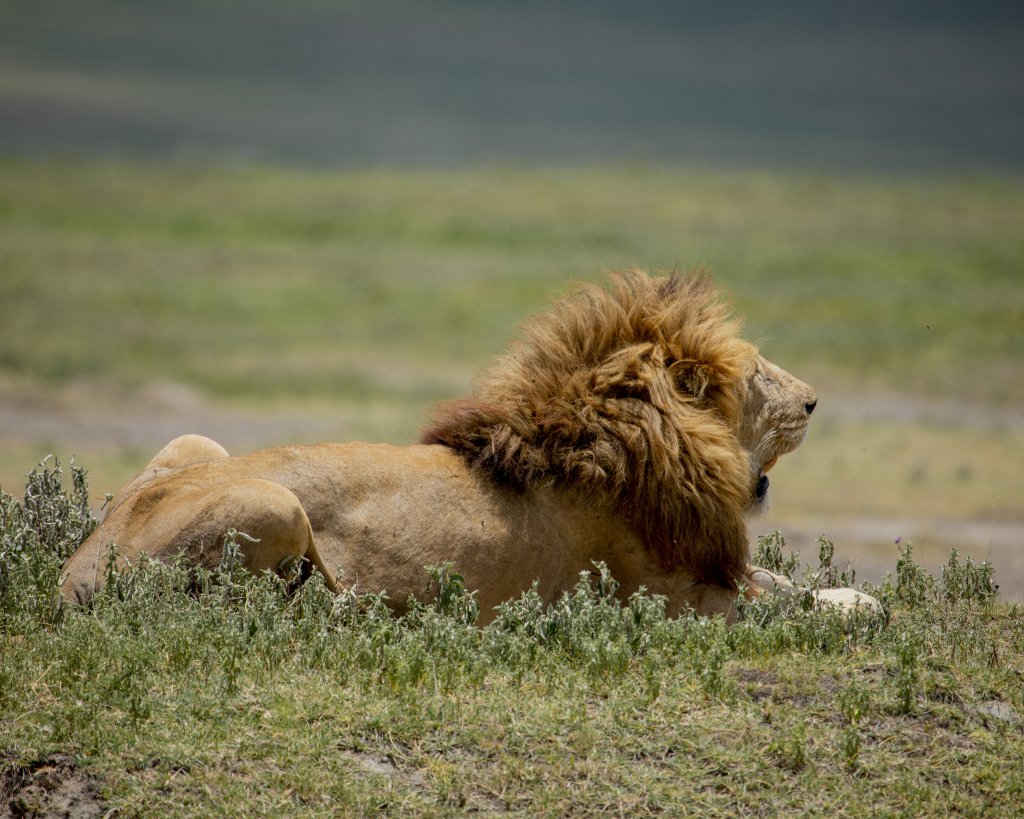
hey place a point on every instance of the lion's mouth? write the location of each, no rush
(761, 490)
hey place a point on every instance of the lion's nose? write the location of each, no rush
(810, 405)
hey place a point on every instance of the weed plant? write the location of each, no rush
(185, 691)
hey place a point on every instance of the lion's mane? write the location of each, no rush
(632, 396)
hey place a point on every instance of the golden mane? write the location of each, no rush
(632, 395)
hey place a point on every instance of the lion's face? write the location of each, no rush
(776, 411)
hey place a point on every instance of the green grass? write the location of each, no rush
(257, 282)
(216, 693)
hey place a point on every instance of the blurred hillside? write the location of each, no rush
(918, 85)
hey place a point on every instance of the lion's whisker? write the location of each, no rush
(763, 444)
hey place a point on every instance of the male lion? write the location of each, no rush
(631, 426)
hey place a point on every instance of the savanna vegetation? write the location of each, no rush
(184, 692)
(286, 278)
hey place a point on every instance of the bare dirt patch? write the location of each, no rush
(385, 765)
(49, 787)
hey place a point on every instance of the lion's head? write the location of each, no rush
(776, 409)
(643, 396)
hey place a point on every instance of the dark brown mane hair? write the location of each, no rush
(633, 394)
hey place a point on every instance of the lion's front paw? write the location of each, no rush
(766, 581)
(848, 600)
(763, 581)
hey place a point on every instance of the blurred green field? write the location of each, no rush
(141, 301)
(253, 283)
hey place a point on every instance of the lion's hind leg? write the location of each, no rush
(278, 530)
(172, 518)
(185, 450)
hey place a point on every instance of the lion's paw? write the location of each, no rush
(848, 600)
(771, 582)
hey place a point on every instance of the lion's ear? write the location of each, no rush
(692, 377)
(627, 373)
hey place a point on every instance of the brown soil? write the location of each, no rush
(49, 787)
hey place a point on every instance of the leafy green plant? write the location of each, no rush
(968, 580)
(451, 598)
(914, 585)
(790, 747)
(36, 537)
(853, 704)
(828, 575)
(712, 655)
(908, 671)
(769, 555)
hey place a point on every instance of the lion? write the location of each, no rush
(630, 425)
